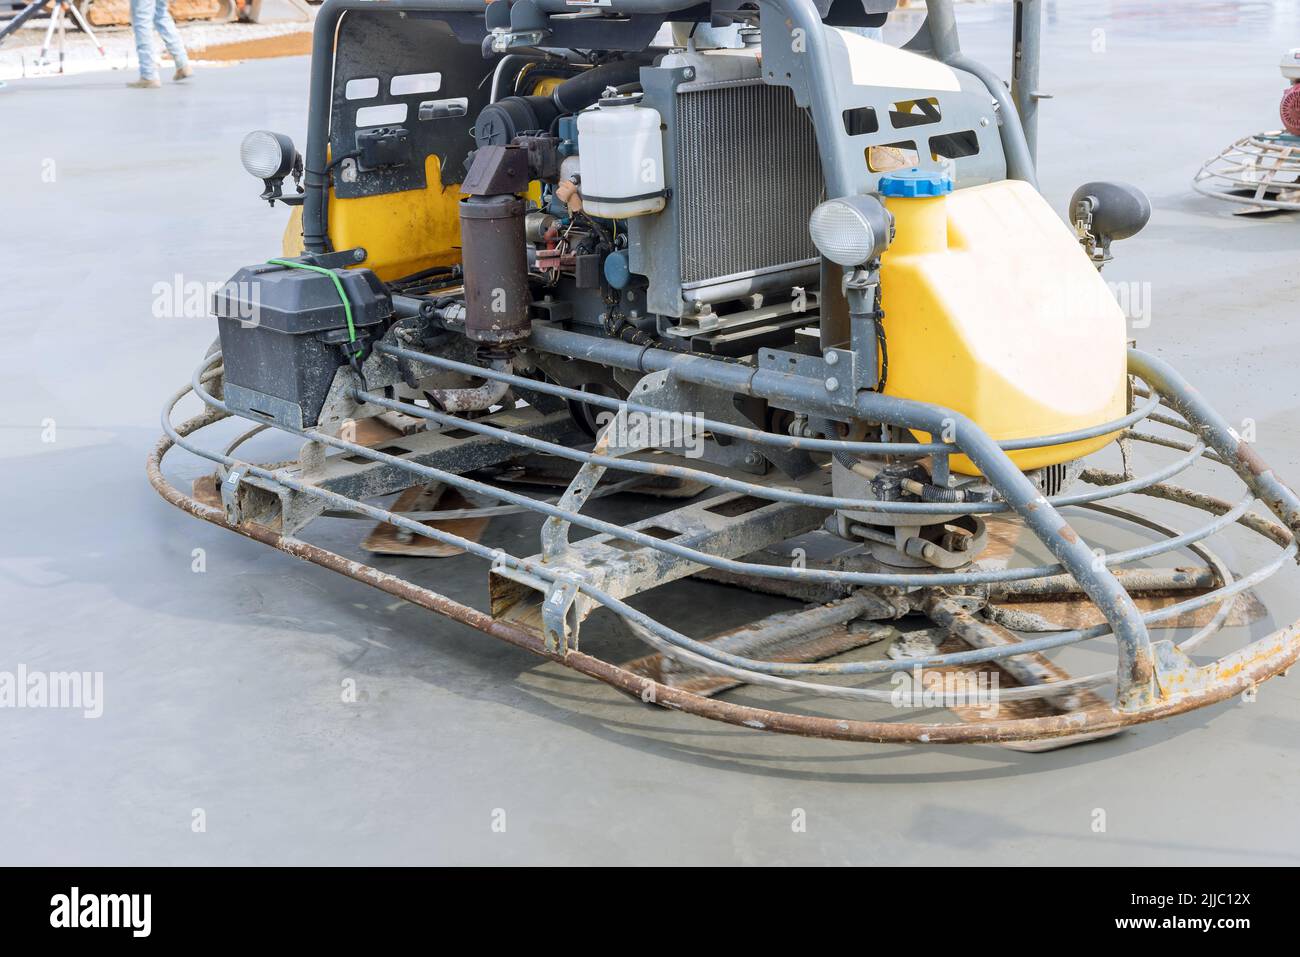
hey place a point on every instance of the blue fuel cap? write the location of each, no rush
(915, 182)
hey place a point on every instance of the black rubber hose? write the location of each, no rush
(579, 92)
(934, 493)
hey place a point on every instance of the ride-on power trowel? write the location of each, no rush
(787, 289)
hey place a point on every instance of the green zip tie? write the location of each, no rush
(338, 284)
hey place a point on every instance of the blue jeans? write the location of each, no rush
(146, 15)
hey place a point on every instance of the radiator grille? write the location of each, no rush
(748, 178)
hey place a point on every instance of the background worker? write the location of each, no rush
(147, 15)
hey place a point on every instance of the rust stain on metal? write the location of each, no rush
(1250, 458)
(1076, 611)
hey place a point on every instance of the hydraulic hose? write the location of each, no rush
(926, 491)
(579, 92)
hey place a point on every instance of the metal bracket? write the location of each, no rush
(1177, 674)
(1081, 220)
(560, 615)
(837, 371)
(230, 494)
(339, 259)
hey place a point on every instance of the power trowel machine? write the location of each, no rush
(785, 290)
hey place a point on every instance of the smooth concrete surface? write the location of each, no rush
(223, 688)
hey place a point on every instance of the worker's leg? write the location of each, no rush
(171, 37)
(142, 14)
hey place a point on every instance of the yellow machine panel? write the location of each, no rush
(402, 233)
(993, 309)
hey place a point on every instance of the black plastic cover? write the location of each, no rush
(282, 333)
(299, 301)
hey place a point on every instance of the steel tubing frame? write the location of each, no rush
(1278, 649)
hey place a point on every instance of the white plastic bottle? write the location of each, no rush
(622, 154)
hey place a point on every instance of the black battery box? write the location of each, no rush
(284, 336)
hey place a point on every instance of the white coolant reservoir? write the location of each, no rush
(622, 154)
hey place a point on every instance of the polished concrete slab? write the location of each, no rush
(222, 700)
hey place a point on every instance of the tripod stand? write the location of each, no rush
(62, 12)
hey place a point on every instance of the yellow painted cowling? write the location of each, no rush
(402, 233)
(993, 309)
(407, 231)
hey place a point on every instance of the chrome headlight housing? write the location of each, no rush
(851, 230)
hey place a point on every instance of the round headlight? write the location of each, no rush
(267, 155)
(850, 231)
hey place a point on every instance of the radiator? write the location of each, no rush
(748, 177)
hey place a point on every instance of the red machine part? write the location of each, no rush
(1290, 109)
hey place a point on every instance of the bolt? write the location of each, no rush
(984, 121)
(751, 458)
(358, 254)
(832, 357)
(832, 384)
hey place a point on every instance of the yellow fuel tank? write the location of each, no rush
(993, 309)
